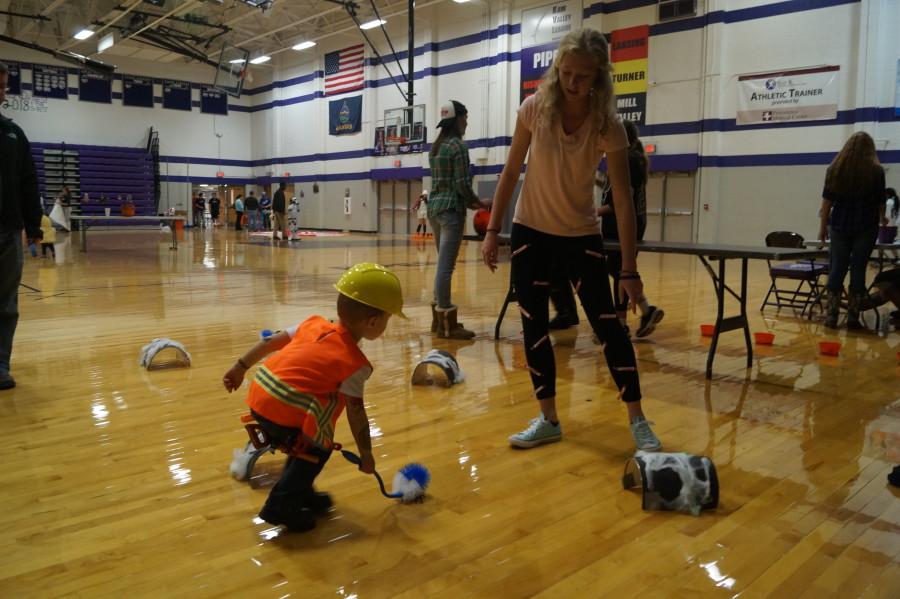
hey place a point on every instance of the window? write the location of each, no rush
(676, 9)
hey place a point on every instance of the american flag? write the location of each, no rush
(344, 70)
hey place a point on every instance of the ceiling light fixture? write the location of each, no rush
(84, 34)
(372, 24)
(260, 59)
(106, 42)
(304, 45)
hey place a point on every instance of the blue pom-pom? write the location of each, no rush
(418, 473)
(410, 482)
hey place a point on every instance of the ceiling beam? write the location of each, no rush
(106, 25)
(53, 6)
(282, 28)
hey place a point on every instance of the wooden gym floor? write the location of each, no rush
(117, 478)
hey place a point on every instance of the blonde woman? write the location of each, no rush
(854, 200)
(567, 127)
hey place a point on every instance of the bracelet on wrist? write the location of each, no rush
(634, 277)
(242, 364)
(489, 230)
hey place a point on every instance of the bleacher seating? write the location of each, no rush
(103, 172)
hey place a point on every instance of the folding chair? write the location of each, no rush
(805, 273)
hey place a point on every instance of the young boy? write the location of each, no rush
(49, 237)
(299, 392)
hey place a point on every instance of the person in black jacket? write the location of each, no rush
(279, 208)
(20, 208)
(252, 208)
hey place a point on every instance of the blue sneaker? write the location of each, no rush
(643, 435)
(539, 431)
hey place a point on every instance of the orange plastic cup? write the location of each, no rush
(829, 348)
(707, 330)
(764, 338)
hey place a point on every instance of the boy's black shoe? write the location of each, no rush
(296, 518)
(319, 503)
(6, 381)
(562, 321)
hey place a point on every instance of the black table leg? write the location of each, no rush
(743, 301)
(510, 296)
(729, 323)
(719, 284)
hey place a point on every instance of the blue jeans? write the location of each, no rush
(253, 221)
(11, 261)
(447, 227)
(850, 250)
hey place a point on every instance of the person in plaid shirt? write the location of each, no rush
(854, 199)
(450, 195)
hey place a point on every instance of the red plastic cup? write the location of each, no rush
(764, 338)
(707, 330)
(829, 348)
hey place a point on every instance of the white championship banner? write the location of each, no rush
(786, 96)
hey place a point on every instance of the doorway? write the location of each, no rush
(670, 206)
(395, 201)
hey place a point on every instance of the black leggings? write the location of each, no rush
(536, 257)
(296, 482)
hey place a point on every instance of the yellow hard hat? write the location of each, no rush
(373, 285)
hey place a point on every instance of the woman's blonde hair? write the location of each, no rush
(856, 167)
(587, 42)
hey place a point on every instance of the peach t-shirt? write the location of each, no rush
(557, 196)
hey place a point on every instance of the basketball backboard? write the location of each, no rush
(232, 69)
(405, 125)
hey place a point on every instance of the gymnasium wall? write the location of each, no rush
(189, 146)
(753, 178)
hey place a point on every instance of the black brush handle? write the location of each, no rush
(355, 459)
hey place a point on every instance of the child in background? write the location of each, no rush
(293, 220)
(49, 237)
(421, 210)
(300, 390)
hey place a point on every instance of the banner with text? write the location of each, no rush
(550, 23)
(799, 95)
(14, 80)
(345, 116)
(629, 49)
(534, 61)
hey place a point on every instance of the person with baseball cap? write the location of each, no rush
(451, 194)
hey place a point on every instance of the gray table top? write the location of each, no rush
(718, 250)
(815, 243)
(119, 217)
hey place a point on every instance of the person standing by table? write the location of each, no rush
(853, 202)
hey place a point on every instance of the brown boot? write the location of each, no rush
(435, 319)
(853, 307)
(448, 327)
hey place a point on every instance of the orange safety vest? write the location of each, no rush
(297, 387)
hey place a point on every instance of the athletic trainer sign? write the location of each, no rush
(799, 95)
(629, 51)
